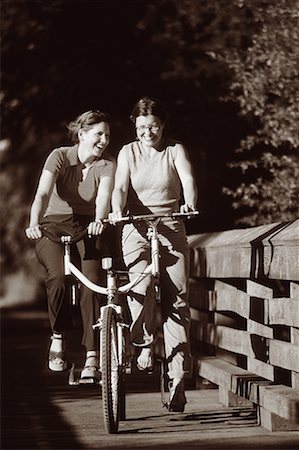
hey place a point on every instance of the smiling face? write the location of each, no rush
(149, 130)
(95, 139)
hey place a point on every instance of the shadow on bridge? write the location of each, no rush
(29, 418)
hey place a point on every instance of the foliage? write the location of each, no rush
(255, 45)
(272, 196)
(266, 87)
(227, 72)
(187, 41)
(54, 66)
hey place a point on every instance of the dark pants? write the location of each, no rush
(86, 255)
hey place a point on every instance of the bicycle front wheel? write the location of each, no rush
(111, 369)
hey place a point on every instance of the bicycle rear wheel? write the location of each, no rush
(111, 369)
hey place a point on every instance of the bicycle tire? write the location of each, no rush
(126, 366)
(122, 396)
(111, 370)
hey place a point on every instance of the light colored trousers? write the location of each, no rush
(174, 276)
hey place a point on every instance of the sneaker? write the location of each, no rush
(177, 398)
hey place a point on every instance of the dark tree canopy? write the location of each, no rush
(245, 52)
(227, 72)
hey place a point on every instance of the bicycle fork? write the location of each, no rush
(111, 294)
(155, 256)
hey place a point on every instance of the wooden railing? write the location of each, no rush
(244, 296)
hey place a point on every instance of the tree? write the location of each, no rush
(187, 40)
(55, 64)
(266, 88)
(251, 49)
(226, 70)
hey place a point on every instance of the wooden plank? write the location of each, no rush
(284, 354)
(212, 300)
(242, 384)
(260, 368)
(284, 311)
(231, 379)
(273, 422)
(233, 340)
(260, 295)
(294, 335)
(230, 399)
(285, 263)
(228, 262)
(237, 341)
(294, 290)
(198, 331)
(199, 295)
(259, 329)
(281, 400)
(279, 404)
(241, 236)
(224, 355)
(255, 289)
(295, 380)
(199, 316)
(229, 298)
(219, 372)
(254, 389)
(266, 251)
(227, 320)
(285, 258)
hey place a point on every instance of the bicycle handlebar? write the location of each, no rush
(57, 239)
(127, 219)
(153, 216)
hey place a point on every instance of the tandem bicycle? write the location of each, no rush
(112, 325)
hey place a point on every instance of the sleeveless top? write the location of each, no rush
(154, 182)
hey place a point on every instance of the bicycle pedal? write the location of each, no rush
(88, 381)
(98, 324)
(72, 381)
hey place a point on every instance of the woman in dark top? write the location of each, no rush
(73, 193)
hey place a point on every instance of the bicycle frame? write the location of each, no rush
(152, 269)
(111, 323)
(111, 289)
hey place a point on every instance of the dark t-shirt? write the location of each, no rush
(73, 194)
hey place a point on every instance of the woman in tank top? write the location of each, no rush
(154, 175)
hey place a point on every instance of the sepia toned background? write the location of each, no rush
(227, 73)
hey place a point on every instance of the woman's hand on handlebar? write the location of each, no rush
(114, 216)
(34, 232)
(187, 208)
(95, 228)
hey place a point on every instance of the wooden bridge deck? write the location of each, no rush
(40, 411)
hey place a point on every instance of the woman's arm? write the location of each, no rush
(40, 203)
(102, 205)
(184, 169)
(121, 185)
